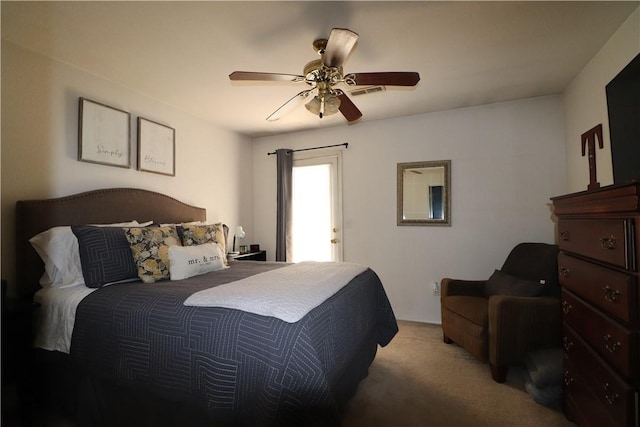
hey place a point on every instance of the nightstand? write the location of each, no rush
(251, 256)
(17, 352)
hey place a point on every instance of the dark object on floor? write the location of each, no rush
(543, 377)
(515, 311)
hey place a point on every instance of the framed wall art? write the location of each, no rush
(103, 134)
(156, 147)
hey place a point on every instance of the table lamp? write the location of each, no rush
(239, 234)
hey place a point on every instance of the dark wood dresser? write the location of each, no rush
(599, 240)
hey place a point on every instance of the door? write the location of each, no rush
(317, 208)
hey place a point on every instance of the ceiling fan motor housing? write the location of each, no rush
(320, 45)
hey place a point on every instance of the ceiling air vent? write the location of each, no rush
(367, 90)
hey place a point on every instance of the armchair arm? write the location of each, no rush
(450, 287)
(518, 325)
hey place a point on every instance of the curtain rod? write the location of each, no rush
(346, 145)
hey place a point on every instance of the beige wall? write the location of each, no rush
(39, 146)
(585, 104)
(507, 161)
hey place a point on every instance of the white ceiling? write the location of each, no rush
(181, 53)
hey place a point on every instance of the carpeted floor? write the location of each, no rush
(419, 381)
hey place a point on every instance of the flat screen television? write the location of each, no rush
(623, 104)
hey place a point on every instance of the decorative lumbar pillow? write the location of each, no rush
(105, 255)
(504, 284)
(199, 234)
(188, 261)
(150, 249)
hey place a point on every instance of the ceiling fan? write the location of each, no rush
(324, 74)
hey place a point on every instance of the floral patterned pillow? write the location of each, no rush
(199, 234)
(150, 248)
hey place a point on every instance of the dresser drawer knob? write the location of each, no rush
(564, 272)
(566, 307)
(611, 295)
(608, 243)
(567, 378)
(612, 347)
(610, 397)
(567, 343)
(564, 236)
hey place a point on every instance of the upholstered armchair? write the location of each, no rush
(515, 311)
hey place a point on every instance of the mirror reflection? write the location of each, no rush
(424, 191)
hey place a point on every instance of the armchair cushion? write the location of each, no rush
(505, 284)
(450, 287)
(535, 261)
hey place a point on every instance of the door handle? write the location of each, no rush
(334, 241)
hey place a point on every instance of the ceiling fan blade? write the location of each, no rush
(396, 78)
(273, 77)
(289, 105)
(339, 45)
(348, 108)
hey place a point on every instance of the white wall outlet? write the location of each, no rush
(436, 288)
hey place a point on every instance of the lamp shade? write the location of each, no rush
(323, 105)
(331, 104)
(314, 105)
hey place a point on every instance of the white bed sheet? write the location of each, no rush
(56, 316)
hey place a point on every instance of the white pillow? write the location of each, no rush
(127, 224)
(188, 261)
(58, 248)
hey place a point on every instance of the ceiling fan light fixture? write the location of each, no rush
(327, 105)
(331, 104)
(314, 106)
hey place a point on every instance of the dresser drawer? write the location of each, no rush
(616, 344)
(580, 402)
(611, 391)
(612, 291)
(607, 240)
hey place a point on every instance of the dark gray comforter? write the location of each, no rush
(237, 368)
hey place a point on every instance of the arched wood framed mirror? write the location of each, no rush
(424, 193)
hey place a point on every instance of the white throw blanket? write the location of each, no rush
(287, 293)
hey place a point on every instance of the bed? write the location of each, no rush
(142, 354)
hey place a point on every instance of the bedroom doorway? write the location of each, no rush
(317, 208)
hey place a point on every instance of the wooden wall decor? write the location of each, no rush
(589, 143)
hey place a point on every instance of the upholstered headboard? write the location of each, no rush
(93, 207)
